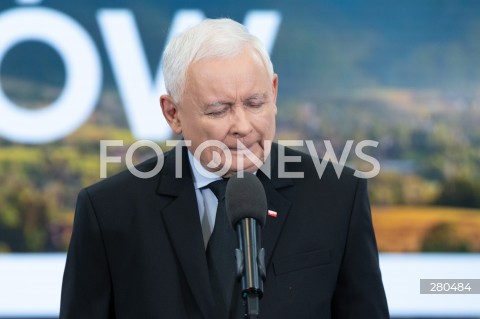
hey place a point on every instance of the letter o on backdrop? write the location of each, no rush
(83, 78)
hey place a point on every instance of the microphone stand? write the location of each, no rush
(251, 269)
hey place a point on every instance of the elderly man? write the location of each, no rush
(139, 247)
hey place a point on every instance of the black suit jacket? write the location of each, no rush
(137, 250)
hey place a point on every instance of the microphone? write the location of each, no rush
(246, 206)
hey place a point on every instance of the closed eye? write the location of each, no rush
(255, 101)
(255, 104)
(217, 109)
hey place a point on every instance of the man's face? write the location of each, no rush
(229, 100)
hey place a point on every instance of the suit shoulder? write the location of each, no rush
(142, 173)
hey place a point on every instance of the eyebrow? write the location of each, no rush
(217, 103)
(257, 96)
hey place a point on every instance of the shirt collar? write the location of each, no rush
(201, 177)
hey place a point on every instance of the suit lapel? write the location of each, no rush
(182, 222)
(275, 188)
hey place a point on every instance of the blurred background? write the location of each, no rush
(404, 73)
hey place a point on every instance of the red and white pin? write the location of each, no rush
(272, 213)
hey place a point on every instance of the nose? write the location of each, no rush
(241, 122)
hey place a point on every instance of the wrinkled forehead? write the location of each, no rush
(243, 68)
(247, 50)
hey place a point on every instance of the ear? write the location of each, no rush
(170, 112)
(275, 90)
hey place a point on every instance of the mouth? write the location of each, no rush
(240, 147)
(242, 150)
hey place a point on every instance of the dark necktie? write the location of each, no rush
(221, 254)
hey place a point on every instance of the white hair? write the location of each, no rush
(209, 39)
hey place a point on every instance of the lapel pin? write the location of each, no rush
(272, 213)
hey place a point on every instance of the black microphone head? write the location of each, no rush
(245, 198)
